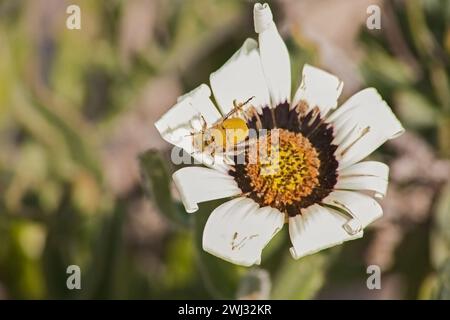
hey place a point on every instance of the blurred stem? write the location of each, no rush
(156, 180)
(108, 249)
(396, 39)
(429, 50)
(444, 136)
(441, 85)
(443, 292)
(421, 36)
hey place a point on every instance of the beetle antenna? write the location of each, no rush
(237, 107)
(248, 100)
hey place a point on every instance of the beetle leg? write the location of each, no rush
(213, 154)
(204, 124)
(235, 104)
(254, 113)
(237, 107)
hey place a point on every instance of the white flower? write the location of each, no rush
(324, 193)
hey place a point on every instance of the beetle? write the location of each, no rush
(226, 135)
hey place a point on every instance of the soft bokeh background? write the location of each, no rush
(78, 185)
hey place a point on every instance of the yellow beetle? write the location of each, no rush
(224, 135)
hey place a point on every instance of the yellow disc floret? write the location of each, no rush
(283, 171)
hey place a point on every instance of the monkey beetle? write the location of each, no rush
(226, 135)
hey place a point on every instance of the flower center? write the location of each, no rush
(284, 169)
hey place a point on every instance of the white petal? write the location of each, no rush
(370, 168)
(362, 124)
(200, 101)
(177, 124)
(238, 231)
(198, 184)
(361, 207)
(317, 228)
(366, 175)
(274, 55)
(240, 78)
(188, 109)
(318, 88)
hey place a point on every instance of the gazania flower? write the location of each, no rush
(322, 188)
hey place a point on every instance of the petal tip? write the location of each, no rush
(191, 209)
(218, 254)
(202, 90)
(159, 126)
(319, 87)
(189, 206)
(262, 16)
(353, 227)
(293, 253)
(379, 195)
(399, 132)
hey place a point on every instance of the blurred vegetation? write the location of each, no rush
(67, 98)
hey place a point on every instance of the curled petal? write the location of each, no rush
(317, 228)
(185, 117)
(360, 207)
(177, 124)
(274, 55)
(366, 175)
(362, 124)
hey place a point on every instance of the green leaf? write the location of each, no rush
(444, 135)
(59, 252)
(444, 282)
(102, 274)
(300, 279)
(440, 236)
(156, 182)
(443, 212)
(415, 110)
(179, 261)
(381, 68)
(428, 287)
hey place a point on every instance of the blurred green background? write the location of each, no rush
(85, 177)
